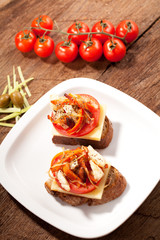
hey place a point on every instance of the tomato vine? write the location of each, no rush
(102, 39)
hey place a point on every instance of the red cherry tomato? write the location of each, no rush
(45, 22)
(44, 46)
(132, 27)
(75, 28)
(114, 50)
(91, 50)
(104, 25)
(66, 51)
(25, 40)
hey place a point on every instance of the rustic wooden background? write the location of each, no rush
(138, 75)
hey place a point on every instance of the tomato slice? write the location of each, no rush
(82, 190)
(94, 108)
(74, 188)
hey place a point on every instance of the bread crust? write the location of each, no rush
(115, 185)
(107, 134)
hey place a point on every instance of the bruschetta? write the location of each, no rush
(82, 176)
(79, 119)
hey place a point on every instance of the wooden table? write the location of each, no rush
(137, 75)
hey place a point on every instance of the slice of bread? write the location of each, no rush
(107, 134)
(115, 185)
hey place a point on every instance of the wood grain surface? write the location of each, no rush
(138, 75)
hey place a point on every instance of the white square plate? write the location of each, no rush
(27, 151)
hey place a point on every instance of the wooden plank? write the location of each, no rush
(137, 75)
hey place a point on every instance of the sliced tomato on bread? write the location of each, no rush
(78, 120)
(76, 181)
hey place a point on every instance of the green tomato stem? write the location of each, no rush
(79, 33)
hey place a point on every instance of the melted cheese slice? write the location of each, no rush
(95, 194)
(96, 133)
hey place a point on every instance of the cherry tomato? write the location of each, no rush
(132, 27)
(78, 27)
(91, 50)
(45, 22)
(25, 40)
(44, 46)
(114, 50)
(87, 128)
(66, 51)
(105, 26)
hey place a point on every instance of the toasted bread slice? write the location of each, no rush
(107, 134)
(115, 185)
